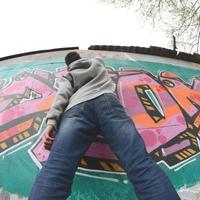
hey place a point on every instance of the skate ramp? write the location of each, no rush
(161, 95)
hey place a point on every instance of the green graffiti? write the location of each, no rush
(18, 171)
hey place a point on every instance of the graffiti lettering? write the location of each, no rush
(165, 111)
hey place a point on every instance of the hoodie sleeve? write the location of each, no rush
(65, 91)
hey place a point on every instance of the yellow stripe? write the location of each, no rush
(157, 154)
(83, 162)
(36, 126)
(179, 157)
(3, 145)
(187, 153)
(140, 90)
(185, 134)
(105, 166)
(190, 134)
(38, 119)
(146, 103)
(182, 154)
(190, 126)
(20, 136)
(116, 167)
(156, 118)
(191, 151)
(145, 99)
(15, 139)
(150, 107)
(26, 134)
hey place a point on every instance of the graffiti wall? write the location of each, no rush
(161, 95)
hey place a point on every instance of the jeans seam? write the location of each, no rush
(79, 108)
(108, 103)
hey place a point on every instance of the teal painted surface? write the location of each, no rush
(17, 169)
(186, 73)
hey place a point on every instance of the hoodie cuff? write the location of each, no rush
(51, 122)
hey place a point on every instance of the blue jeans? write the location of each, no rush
(78, 128)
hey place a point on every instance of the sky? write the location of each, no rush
(31, 25)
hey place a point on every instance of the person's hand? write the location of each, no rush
(48, 138)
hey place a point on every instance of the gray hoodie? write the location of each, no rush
(86, 79)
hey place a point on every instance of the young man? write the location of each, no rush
(85, 105)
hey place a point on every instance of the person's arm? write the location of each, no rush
(65, 91)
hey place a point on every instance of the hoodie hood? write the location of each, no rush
(85, 70)
(83, 63)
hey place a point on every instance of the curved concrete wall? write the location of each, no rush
(161, 95)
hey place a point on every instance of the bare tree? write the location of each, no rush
(179, 19)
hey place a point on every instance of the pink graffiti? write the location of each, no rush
(155, 134)
(196, 84)
(98, 150)
(27, 95)
(175, 147)
(182, 94)
(40, 152)
(146, 127)
(27, 107)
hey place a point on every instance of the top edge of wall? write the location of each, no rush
(152, 50)
(37, 52)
